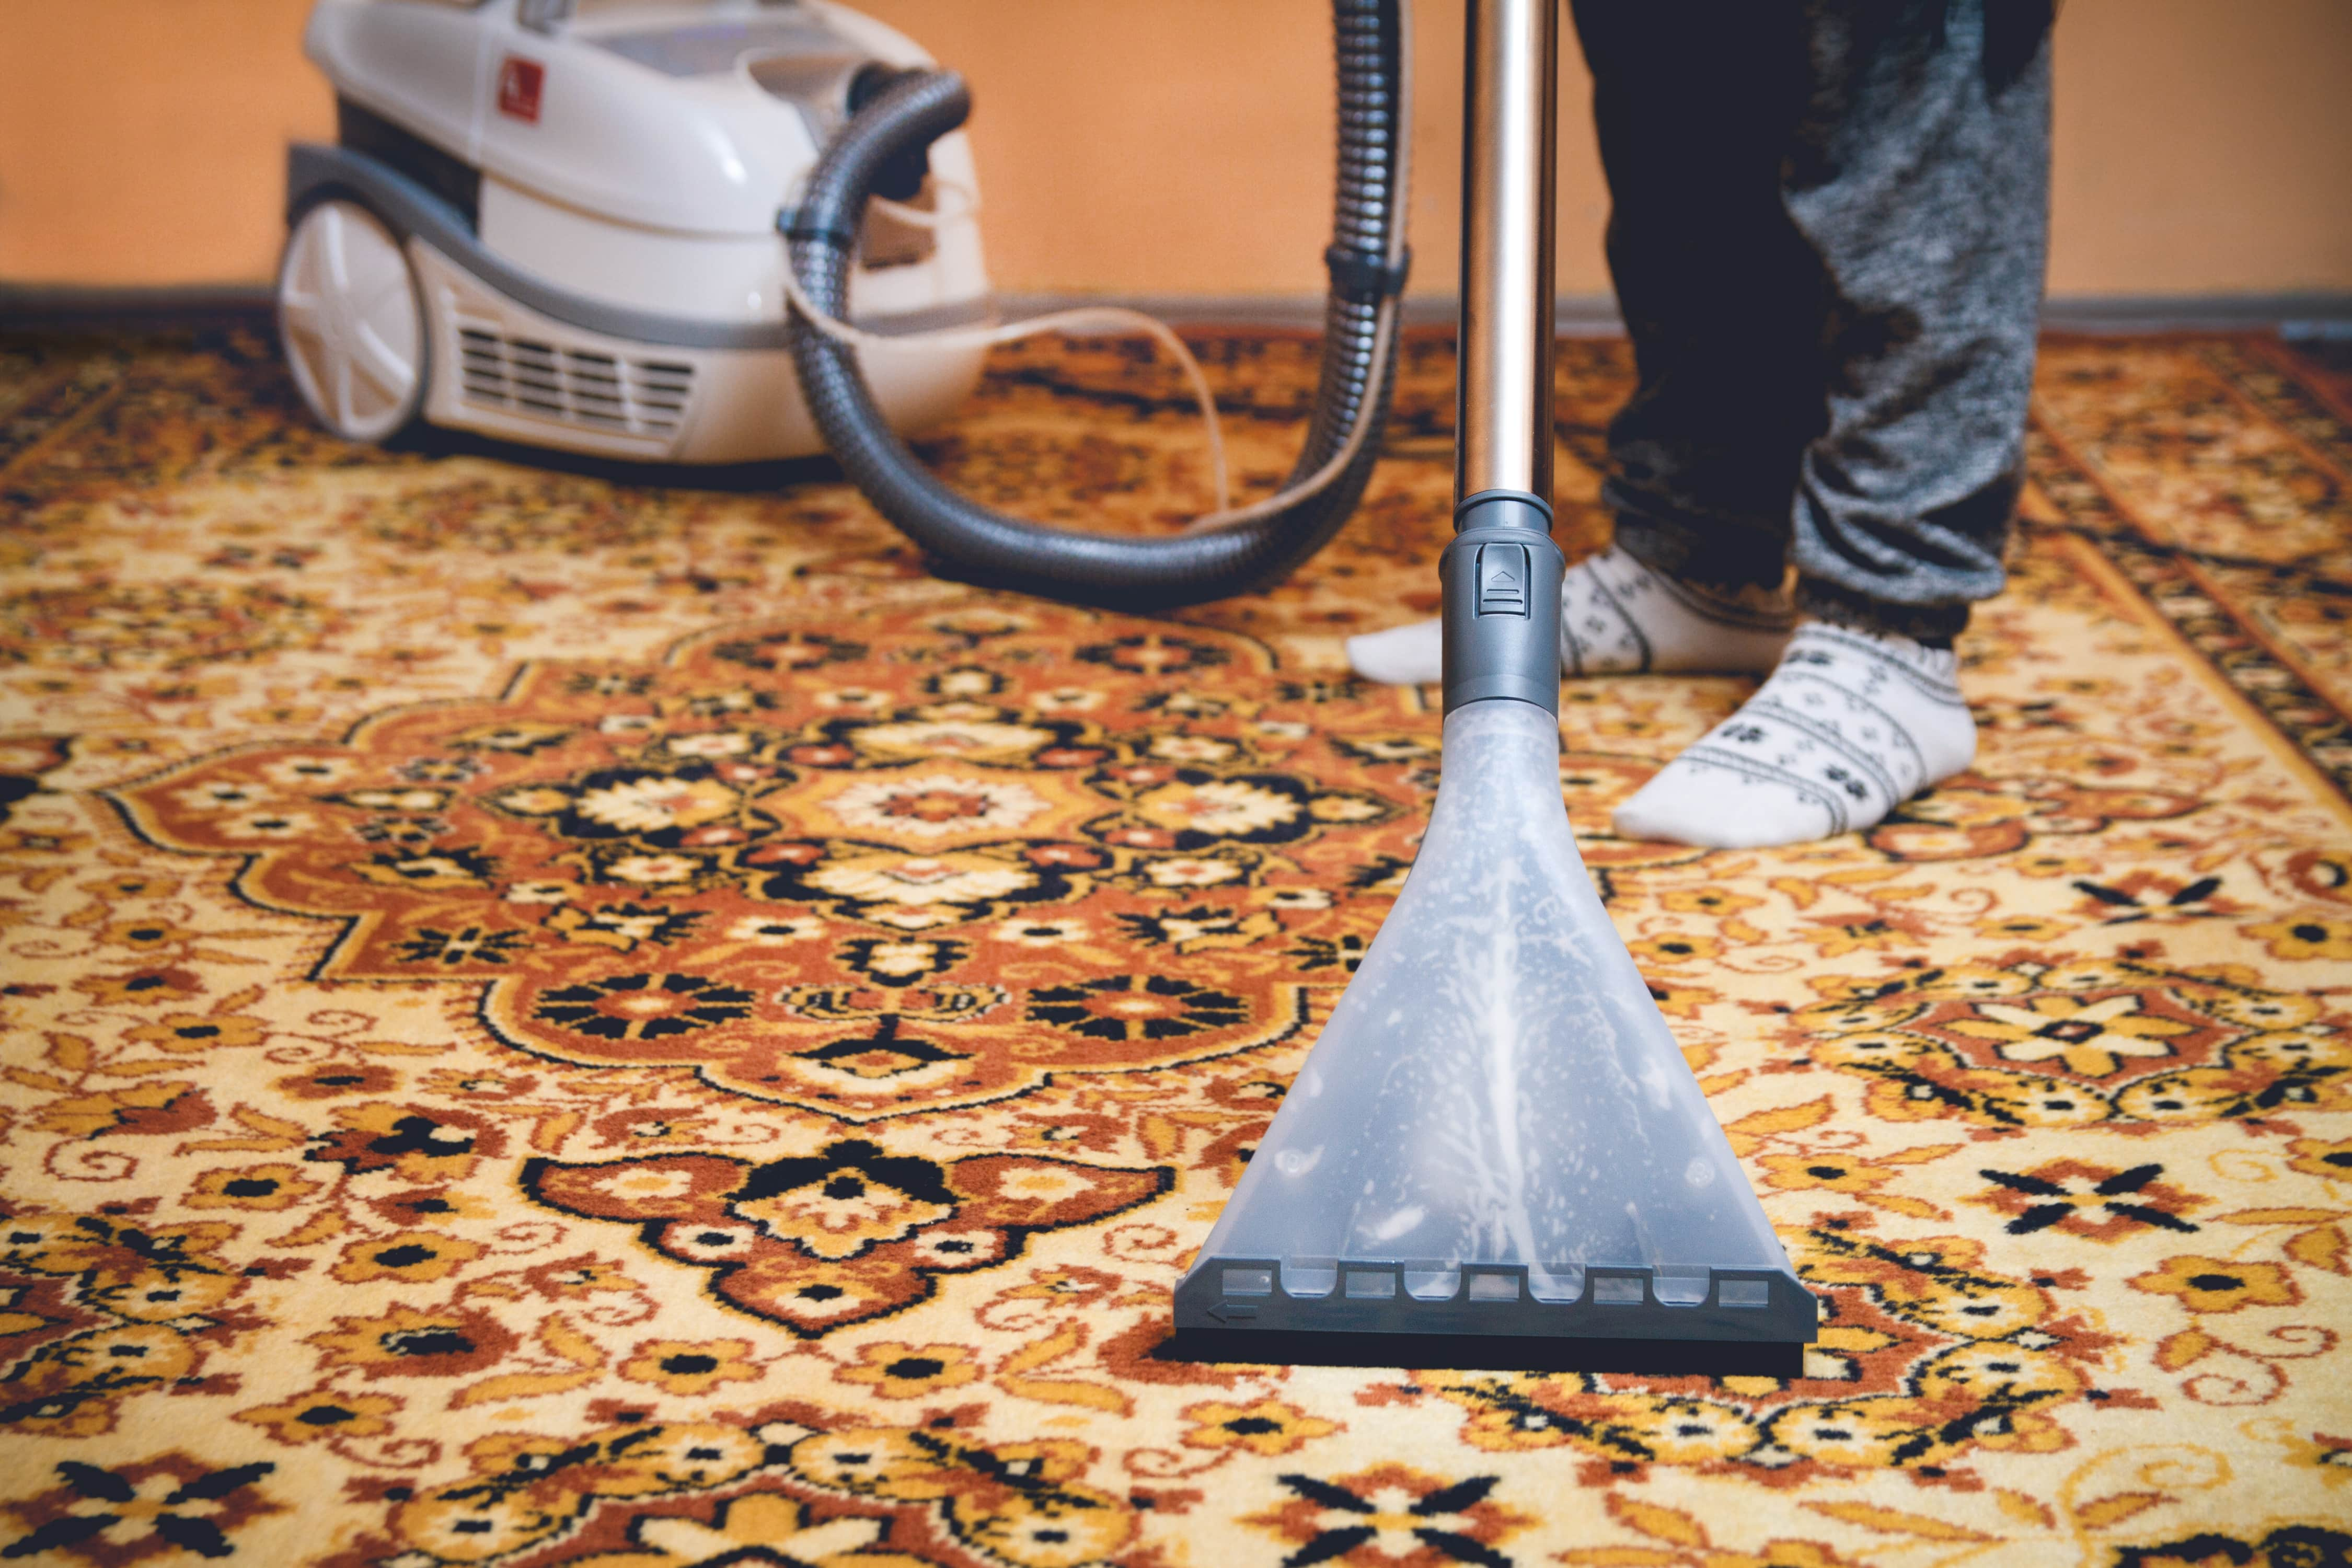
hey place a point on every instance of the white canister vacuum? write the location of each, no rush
(557, 225)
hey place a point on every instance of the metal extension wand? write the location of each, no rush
(1502, 573)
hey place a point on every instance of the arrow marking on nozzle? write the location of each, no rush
(1226, 1312)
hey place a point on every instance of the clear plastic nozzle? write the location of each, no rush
(1496, 1087)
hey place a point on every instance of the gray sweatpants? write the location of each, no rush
(1828, 230)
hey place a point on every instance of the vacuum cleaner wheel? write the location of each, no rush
(353, 321)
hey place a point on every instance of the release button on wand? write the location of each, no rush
(1503, 575)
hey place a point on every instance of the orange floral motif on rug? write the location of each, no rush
(556, 1016)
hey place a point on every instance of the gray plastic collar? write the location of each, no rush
(1501, 578)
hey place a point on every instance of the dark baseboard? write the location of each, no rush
(59, 308)
(2312, 314)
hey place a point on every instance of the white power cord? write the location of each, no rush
(1094, 321)
(928, 217)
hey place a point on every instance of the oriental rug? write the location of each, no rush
(560, 1013)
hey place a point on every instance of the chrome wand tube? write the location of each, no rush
(1502, 572)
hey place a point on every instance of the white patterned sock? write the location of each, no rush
(1617, 617)
(1851, 725)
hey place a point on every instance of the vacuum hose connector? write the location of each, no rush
(1501, 577)
(1261, 544)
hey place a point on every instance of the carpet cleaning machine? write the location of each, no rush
(710, 230)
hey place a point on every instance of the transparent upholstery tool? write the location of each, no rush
(1496, 1132)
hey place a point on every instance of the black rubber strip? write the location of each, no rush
(1485, 1353)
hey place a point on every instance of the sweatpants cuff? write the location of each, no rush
(1708, 560)
(1931, 626)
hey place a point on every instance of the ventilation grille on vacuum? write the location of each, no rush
(574, 386)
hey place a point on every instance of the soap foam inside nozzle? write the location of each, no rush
(1496, 1085)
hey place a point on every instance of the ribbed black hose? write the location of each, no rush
(973, 541)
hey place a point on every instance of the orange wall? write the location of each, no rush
(2203, 146)
(143, 141)
(1141, 146)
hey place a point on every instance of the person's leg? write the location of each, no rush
(1922, 179)
(1919, 175)
(1695, 104)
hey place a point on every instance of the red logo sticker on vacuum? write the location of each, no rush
(518, 83)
